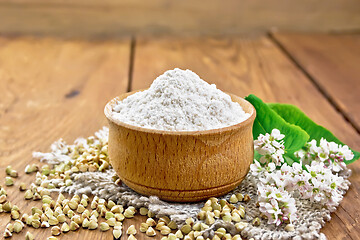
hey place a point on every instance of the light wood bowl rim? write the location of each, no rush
(249, 120)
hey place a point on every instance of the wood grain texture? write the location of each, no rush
(97, 18)
(245, 65)
(181, 166)
(51, 89)
(333, 63)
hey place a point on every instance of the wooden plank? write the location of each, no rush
(97, 18)
(333, 63)
(242, 66)
(51, 89)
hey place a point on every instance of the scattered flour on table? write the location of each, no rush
(179, 100)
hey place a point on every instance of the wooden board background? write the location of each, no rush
(323, 57)
(97, 18)
(54, 88)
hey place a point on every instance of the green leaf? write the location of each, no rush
(267, 119)
(294, 115)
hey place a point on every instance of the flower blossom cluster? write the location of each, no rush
(317, 183)
(278, 188)
(271, 147)
(331, 154)
(275, 202)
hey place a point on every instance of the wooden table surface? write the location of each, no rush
(53, 88)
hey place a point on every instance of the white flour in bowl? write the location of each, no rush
(179, 100)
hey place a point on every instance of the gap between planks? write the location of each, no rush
(131, 63)
(313, 80)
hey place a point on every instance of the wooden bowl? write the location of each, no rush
(181, 166)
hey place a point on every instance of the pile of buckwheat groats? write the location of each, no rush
(64, 215)
(99, 200)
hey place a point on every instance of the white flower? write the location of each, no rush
(312, 146)
(276, 134)
(346, 152)
(314, 178)
(277, 157)
(276, 204)
(317, 184)
(256, 168)
(270, 167)
(324, 185)
(337, 166)
(271, 147)
(330, 153)
(286, 168)
(271, 211)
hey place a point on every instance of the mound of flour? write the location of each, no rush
(179, 100)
